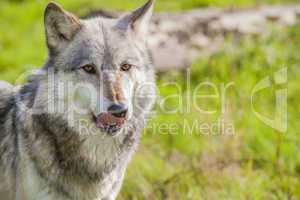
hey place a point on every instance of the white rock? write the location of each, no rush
(288, 18)
(199, 41)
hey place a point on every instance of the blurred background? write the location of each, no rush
(229, 45)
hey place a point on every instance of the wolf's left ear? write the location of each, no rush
(61, 26)
(138, 21)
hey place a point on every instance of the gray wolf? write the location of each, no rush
(71, 130)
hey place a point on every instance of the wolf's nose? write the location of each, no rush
(118, 110)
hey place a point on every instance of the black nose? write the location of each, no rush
(118, 110)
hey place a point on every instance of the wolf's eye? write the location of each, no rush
(126, 67)
(89, 69)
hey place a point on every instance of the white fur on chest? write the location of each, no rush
(30, 186)
(100, 150)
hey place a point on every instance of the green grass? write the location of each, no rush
(256, 162)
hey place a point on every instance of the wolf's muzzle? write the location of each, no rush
(113, 120)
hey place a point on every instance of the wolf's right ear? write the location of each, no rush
(138, 21)
(61, 26)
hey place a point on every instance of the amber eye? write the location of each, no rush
(89, 69)
(126, 67)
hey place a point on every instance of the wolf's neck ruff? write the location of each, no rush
(67, 159)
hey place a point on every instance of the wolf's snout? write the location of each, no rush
(118, 110)
(112, 120)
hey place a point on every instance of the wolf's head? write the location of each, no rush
(100, 68)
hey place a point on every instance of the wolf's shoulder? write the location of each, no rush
(4, 86)
(6, 90)
(6, 94)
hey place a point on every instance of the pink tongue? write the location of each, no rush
(107, 119)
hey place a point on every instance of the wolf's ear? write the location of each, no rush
(60, 27)
(138, 21)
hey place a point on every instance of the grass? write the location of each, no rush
(256, 162)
